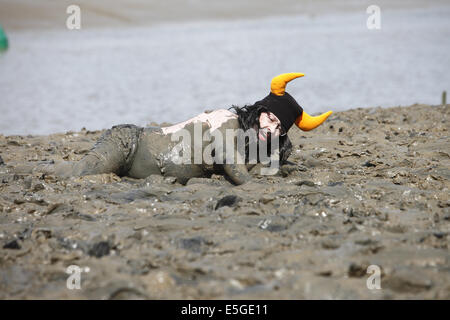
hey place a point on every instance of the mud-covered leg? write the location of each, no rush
(112, 153)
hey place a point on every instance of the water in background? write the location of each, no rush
(54, 81)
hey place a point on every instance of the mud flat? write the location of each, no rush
(370, 187)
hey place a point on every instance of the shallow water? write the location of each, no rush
(53, 81)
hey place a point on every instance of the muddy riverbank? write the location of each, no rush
(369, 187)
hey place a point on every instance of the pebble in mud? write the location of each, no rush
(288, 169)
(330, 244)
(407, 281)
(194, 244)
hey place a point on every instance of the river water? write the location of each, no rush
(59, 80)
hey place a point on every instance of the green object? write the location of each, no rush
(3, 40)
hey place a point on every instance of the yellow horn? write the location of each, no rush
(278, 84)
(307, 122)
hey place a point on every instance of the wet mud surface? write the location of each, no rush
(369, 187)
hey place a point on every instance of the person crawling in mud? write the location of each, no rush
(129, 150)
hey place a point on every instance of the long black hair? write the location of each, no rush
(248, 117)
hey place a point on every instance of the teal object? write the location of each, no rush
(3, 40)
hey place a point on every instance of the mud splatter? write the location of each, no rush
(369, 187)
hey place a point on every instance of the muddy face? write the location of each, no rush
(269, 125)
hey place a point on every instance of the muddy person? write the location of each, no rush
(129, 150)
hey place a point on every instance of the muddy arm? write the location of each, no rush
(237, 172)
